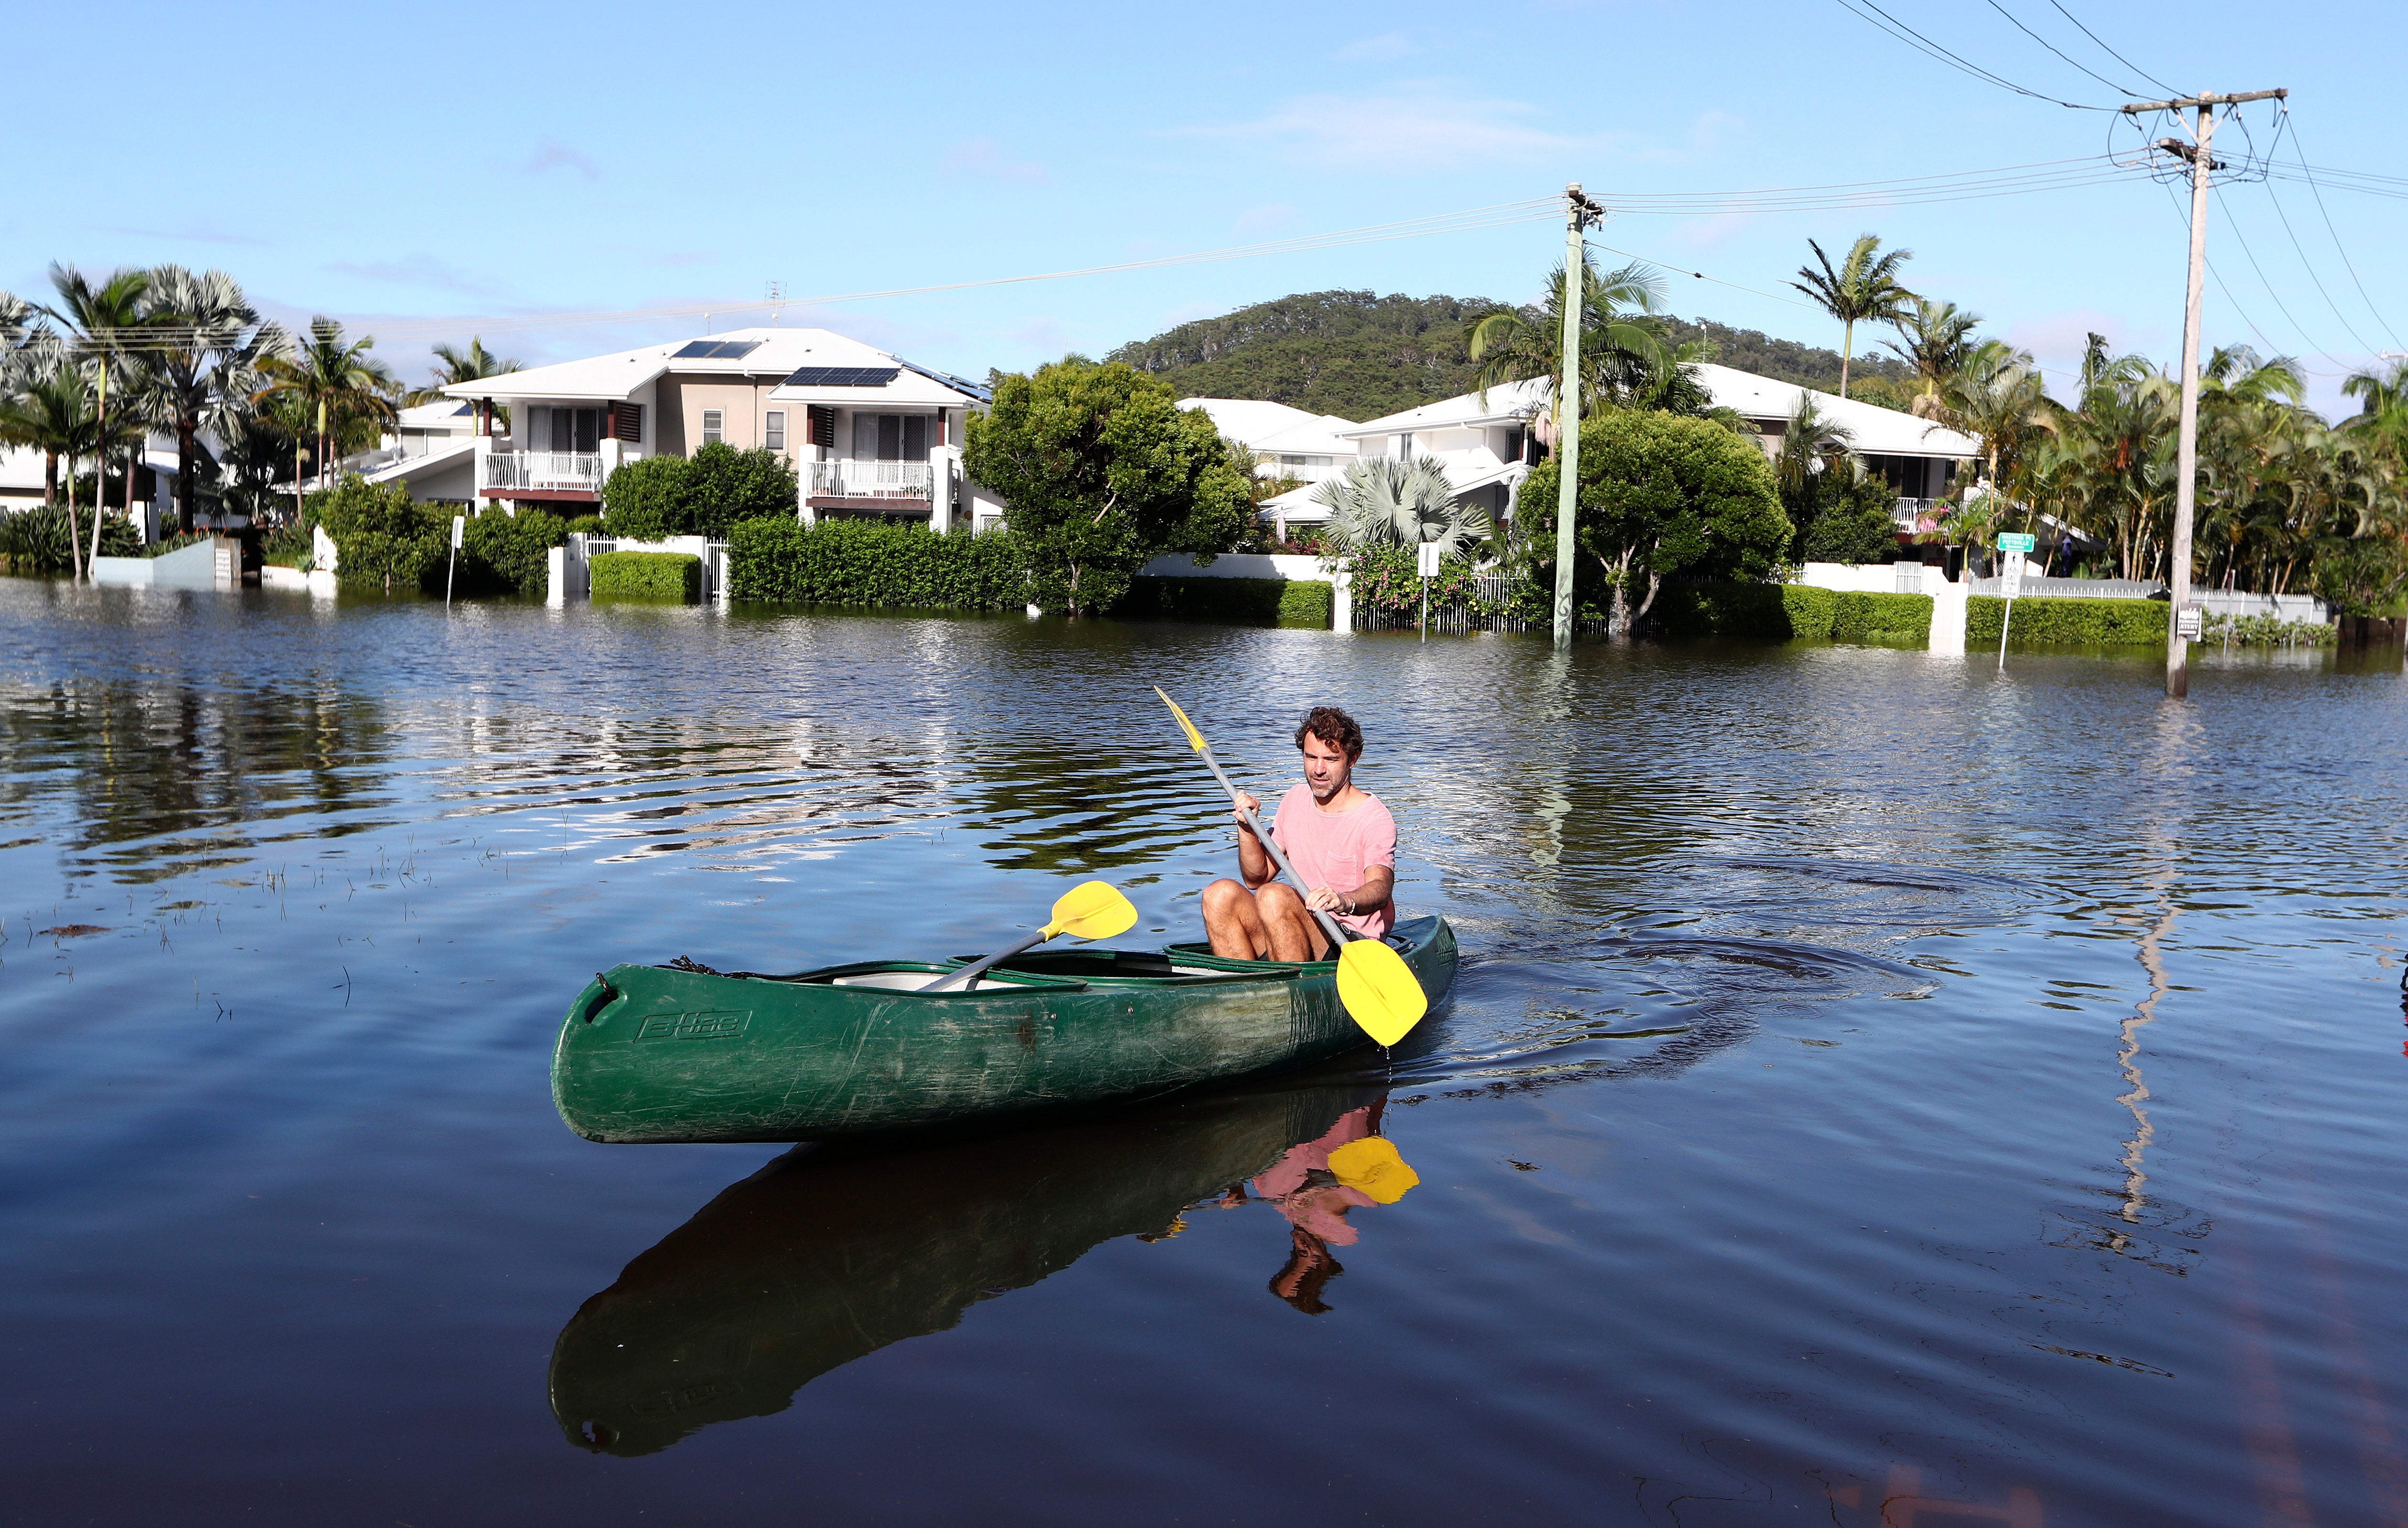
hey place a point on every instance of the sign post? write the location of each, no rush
(459, 530)
(1426, 555)
(2013, 546)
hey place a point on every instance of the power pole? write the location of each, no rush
(2187, 482)
(1579, 212)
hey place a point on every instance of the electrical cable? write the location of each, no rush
(2112, 53)
(2300, 153)
(2035, 36)
(2312, 270)
(2235, 223)
(1922, 44)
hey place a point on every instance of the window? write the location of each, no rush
(773, 430)
(1405, 445)
(890, 437)
(714, 427)
(564, 430)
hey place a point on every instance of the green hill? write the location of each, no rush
(1360, 356)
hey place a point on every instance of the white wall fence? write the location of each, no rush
(1948, 596)
(571, 578)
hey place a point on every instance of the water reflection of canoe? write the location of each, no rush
(830, 1253)
(655, 1053)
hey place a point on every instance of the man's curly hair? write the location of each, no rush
(1333, 727)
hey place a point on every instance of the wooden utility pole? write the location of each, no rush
(2186, 469)
(1579, 212)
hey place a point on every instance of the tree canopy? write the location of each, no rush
(1104, 472)
(1659, 495)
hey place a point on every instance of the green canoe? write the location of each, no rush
(655, 1053)
(832, 1252)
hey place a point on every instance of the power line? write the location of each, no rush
(2112, 53)
(1922, 44)
(2301, 155)
(2235, 223)
(2312, 270)
(2121, 90)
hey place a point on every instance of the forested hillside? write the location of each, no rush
(1349, 353)
(1360, 356)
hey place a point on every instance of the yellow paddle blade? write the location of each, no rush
(1194, 738)
(1373, 1166)
(1095, 910)
(1380, 990)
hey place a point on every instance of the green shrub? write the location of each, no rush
(852, 562)
(1780, 612)
(648, 575)
(35, 540)
(2266, 632)
(381, 539)
(291, 544)
(718, 487)
(177, 543)
(584, 525)
(1307, 603)
(503, 551)
(1242, 602)
(643, 499)
(724, 487)
(2093, 623)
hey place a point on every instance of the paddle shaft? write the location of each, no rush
(1339, 933)
(955, 977)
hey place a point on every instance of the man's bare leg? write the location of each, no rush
(1272, 924)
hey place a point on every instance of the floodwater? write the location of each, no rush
(1878, 1091)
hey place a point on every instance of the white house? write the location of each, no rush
(22, 476)
(431, 450)
(1291, 442)
(1486, 448)
(868, 433)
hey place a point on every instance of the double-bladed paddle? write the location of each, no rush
(1092, 910)
(1379, 990)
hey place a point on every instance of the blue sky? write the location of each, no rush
(416, 170)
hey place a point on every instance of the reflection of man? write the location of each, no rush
(1303, 1189)
(1339, 838)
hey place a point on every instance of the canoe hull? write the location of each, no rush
(651, 1054)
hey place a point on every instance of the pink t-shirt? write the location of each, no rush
(1336, 848)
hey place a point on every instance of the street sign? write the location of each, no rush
(459, 530)
(1426, 552)
(2016, 541)
(2186, 623)
(2010, 572)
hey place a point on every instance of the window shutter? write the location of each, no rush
(820, 424)
(915, 437)
(627, 422)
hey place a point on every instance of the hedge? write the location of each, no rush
(648, 575)
(856, 562)
(2093, 623)
(1779, 612)
(1304, 603)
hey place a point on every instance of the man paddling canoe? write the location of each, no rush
(1341, 841)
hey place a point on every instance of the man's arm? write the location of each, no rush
(1378, 883)
(1255, 865)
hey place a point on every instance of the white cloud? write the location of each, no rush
(555, 155)
(1413, 126)
(1385, 47)
(1269, 219)
(983, 158)
(418, 270)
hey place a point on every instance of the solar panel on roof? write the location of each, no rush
(717, 350)
(843, 376)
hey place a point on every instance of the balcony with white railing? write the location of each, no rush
(853, 479)
(503, 474)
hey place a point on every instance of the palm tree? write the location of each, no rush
(472, 365)
(1939, 338)
(105, 319)
(1998, 399)
(337, 381)
(1811, 445)
(1619, 355)
(48, 409)
(205, 346)
(1862, 288)
(1388, 501)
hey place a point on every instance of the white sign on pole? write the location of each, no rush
(1428, 553)
(2186, 623)
(459, 530)
(2010, 574)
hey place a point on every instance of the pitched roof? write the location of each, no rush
(1875, 429)
(1274, 428)
(753, 355)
